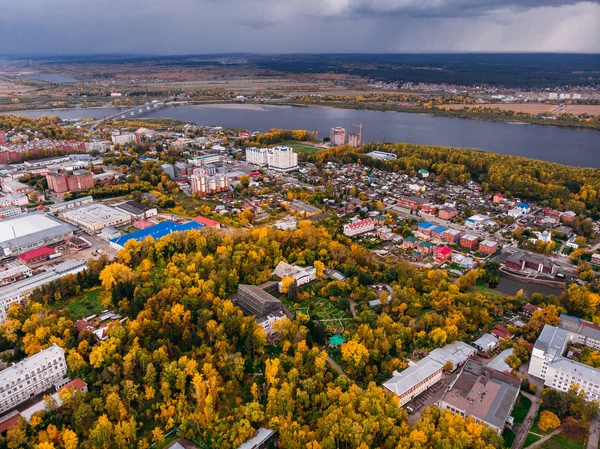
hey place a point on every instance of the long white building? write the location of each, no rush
(278, 158)
(558, 372)
(257, 156)
(31, 376)
(19, 291)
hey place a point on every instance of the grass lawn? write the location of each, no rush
(83, 305)
(562, 442)
(300, 147)
(531, 438)
(509, 437)
(483, 289)
(521, 408)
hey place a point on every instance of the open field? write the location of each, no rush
(301, 147)
(577, 109)
(531, 108)
(81, 306)
(8, 87)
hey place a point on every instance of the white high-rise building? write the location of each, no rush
(282, 159)
(278, 158)
(257, 156)
(31, 376)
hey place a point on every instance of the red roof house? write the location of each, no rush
(36, 255)
(442, 253)
(207, 222)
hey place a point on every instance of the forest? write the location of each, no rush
(188, 360)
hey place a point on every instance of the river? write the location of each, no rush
(511, 286)
(571, 146)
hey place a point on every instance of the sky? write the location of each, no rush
(61, 27)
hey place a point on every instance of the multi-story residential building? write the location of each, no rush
(203, 183)
(447, 213)
(469, 241)
(125, 138)
(355, 140)
(488, 247)
(359, 227)
(2, 138)
(337, 136)
(282, 159)
(451, 236)
(61, 182)
(257, 156)
(31, 376)
(484, 394)
(558, 372)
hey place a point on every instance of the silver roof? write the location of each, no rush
(552, 340)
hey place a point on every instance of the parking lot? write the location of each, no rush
(429, 397)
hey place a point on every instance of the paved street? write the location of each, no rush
(594, 434)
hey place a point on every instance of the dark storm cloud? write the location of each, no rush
(204, 26)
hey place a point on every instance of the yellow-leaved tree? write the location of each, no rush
(548, 420)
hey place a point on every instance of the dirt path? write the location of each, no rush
(336, 367)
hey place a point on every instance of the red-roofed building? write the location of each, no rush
(498, 198)
(502, 332)
(359, 227)
(442, 254)
(529, 308)
(207, 222)
(76, 384)
(36, 255)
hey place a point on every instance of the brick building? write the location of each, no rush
(488, 247)
(64, 182)
(469, 241)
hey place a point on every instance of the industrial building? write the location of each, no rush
(30, 231)
(156, 232)
(94, 217)
(484, 394)
(136, 209)
(73, 204)
(382, 155)
(10, 211)
(31, 376)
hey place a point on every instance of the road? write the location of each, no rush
(594, 434)
(335, 366)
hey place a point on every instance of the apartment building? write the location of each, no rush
(31, 376)
(359, 227)
(337, 136)
(61, 182)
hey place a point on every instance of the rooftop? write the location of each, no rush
(484, 394)
(95, 214)
(552, 340)
(157, 231)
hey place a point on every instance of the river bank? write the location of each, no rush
(569, 146)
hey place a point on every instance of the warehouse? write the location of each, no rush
(95, 217)
(156, 232)
(30, 231)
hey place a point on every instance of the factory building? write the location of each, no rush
(94, 217)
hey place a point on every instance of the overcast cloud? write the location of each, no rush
(285, 26)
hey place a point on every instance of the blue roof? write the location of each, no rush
(157, 231)
(439, 229)
(425, 225)
(524, 205)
